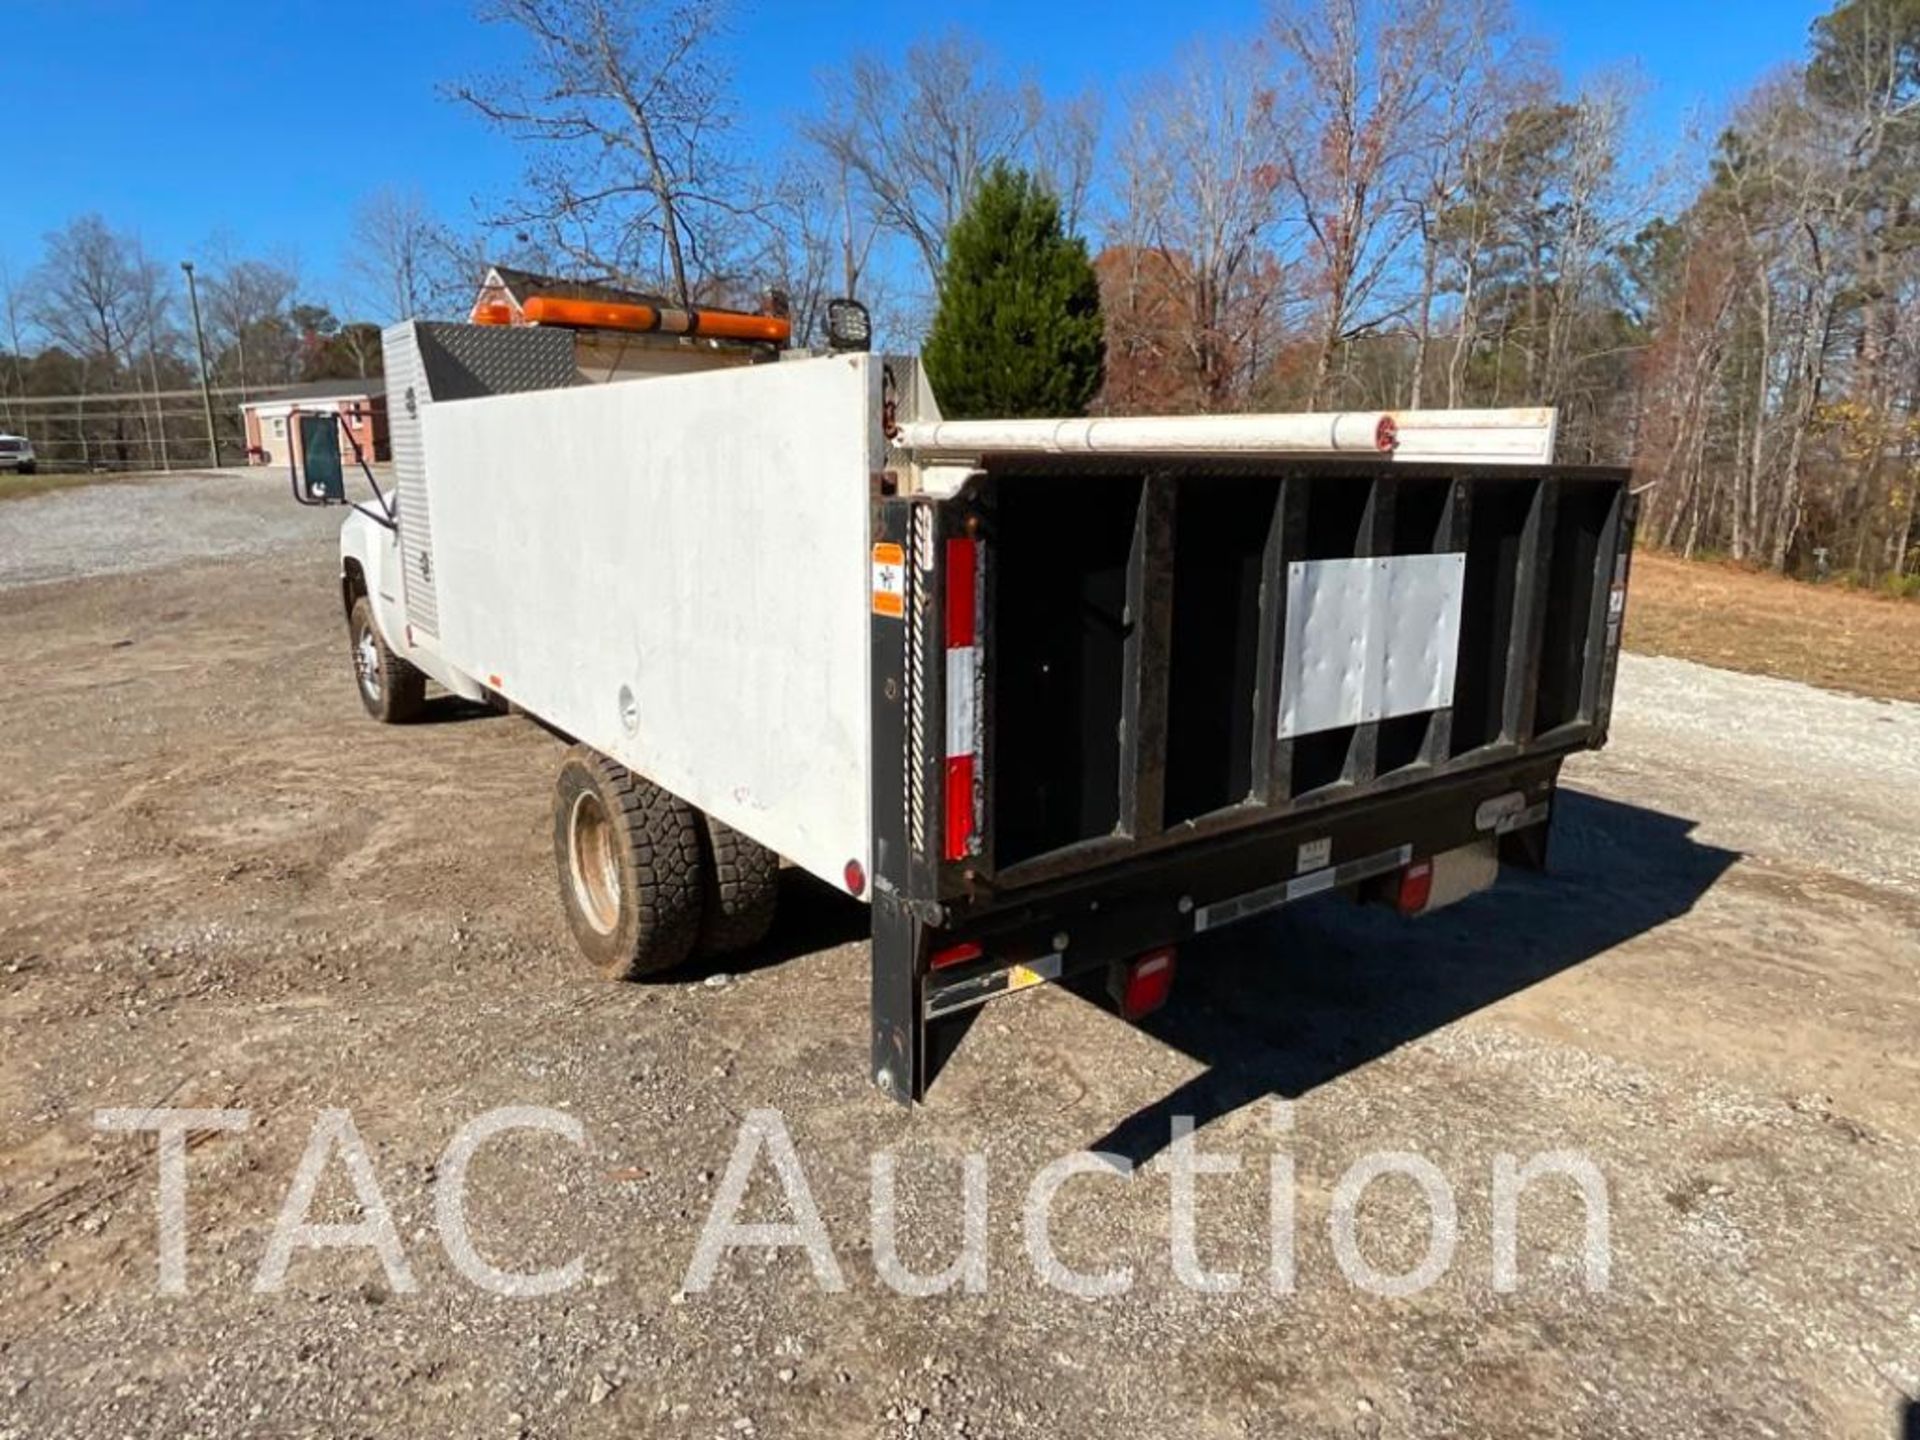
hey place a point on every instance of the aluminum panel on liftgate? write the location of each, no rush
(675, 571)
(1369, 639)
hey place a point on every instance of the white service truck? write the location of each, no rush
(1052, 697)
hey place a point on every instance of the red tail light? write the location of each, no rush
(962, 567)
(961, 558)
(1142, 985)
(956, 955)
(1416, 888)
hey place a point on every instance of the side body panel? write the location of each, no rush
(675, 571)
(408, 396)
(429, 362)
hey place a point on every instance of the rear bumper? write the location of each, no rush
(1086, 923)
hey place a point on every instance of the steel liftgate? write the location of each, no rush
(1118, 703)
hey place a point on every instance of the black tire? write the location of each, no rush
(392, 690)
(742, 882)
(628, 856)
(29, 468)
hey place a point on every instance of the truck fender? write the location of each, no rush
(370, 566)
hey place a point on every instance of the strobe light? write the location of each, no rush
(849, 327)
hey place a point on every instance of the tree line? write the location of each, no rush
(1364, 204)
(99, 359)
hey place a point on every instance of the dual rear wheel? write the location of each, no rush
(648, 881)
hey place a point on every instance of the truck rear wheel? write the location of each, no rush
(629, 860)
(742, 881)
(392, 690)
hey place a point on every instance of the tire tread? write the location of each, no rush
(661, 871)
(742, 880)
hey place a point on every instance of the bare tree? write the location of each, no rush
(152, 332)
(85, 289)
(1488, 73)
(16, 342)
(804, 248)
(1357, 78)
(86, 301)
(1771, 411)
(916, 133)
(1863, 81)
(1066, 154)
(858, 232)
(1605, 197)
(246, 304)
(1189, 279)
(626, 106)
(401, 259)
(1472, 230)
(465, 254)
(1774, 190)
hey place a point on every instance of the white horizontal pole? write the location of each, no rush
(1494, 436)
(1150, 434)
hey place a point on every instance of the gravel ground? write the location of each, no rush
(225, 888)
(1833, 778)
(142, 523)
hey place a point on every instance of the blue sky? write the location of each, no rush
(193, 120)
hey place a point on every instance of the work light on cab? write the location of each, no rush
(849, 326)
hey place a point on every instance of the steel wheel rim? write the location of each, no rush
(366, 662)
(593, 862)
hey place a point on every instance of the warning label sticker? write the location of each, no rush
(889, 580)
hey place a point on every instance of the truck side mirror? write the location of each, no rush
(325, 480)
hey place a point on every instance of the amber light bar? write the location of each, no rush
(609, 315)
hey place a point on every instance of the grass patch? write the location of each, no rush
(19, 487)
(1862, 641)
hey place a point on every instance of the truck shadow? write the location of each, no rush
(1282, 1006)
(455, 710)
(813, 916)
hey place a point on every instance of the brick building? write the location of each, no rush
(272, 421)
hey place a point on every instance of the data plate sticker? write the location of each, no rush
(1499, 811)
(889, 580)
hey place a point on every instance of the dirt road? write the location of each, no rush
(224, 888)
(131, 523)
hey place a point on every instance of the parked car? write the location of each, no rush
(16, 453)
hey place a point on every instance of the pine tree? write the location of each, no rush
(1018, 331)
